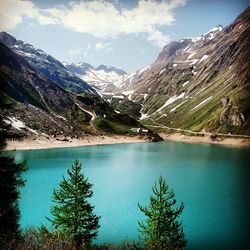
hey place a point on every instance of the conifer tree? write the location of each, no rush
(10, 182)
(73, 214)
(162, 230)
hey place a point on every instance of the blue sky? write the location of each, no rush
(125, 34)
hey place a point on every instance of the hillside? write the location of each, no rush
(38, 105)
(199, 84)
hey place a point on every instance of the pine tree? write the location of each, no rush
(10, 182)
(162, 230)
(73, 215)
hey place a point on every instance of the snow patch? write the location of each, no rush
(170, 100)
(144, 69)
(130, 75)
(193, 71)
(203, 58)
(162, 71)
(211, 33)
(191, 55)
(129, 92)
(185, 83)
(17, 124)
(196, 39)
(163, 115)
(175, 64)
(173, 109)
(204, 101)
(217, 28)
(143, 116)
(194, 61)
(119, 96)
(211, 36)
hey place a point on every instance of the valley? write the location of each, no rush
(196, 86)
(124, 124)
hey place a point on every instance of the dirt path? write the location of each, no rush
(93, 114)
(197, 133)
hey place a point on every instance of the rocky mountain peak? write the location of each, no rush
(46, 64)
(79, 68)
(170, 50)
(244, 17)
(103, 78)
(7, 39)
(212, 33)
(109, 69)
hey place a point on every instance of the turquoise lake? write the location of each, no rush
(211, 180)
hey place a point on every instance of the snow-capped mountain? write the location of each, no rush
(36, 105)
(196, 84)
(130, 81)
(102, 78)
(47, 65)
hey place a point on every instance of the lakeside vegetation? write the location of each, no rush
(74, 224)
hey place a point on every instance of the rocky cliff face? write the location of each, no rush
(186, 87)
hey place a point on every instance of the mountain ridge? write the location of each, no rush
(37, 105)
(47, 64)
(195, 84)
(198, 84)
(103, 78)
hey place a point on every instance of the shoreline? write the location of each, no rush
(49, 143)
(225, 141)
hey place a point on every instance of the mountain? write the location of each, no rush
(47, 64)
(102, 78)
(198, 84)
(37, 105)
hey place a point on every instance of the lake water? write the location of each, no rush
(211, 180)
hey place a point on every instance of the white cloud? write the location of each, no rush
(103, 46)
(102, 18)
(45, 20)
(12, 13)
(158, 38)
